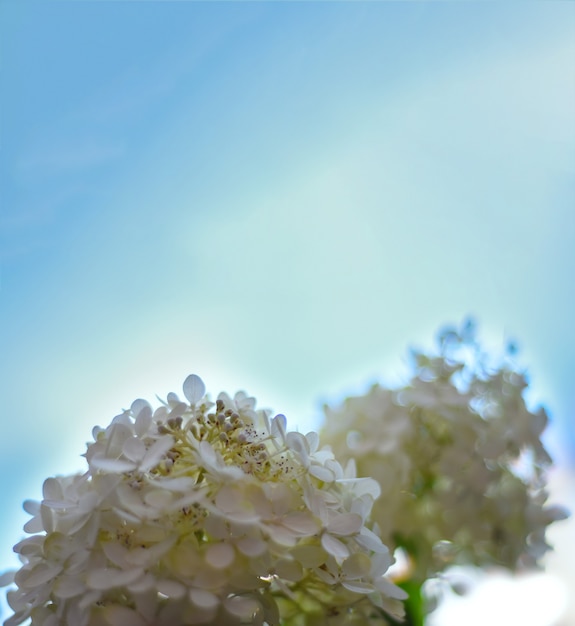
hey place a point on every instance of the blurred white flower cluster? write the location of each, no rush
(203, 513)
(458, 456)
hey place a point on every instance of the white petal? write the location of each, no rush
(367, 486)
(207, 453)
(59, 505)
(48, 519)
(220, 555)
(334, 546)
(235, 505)
(88, 502)
(31, 506)
(301, 522)
(35, 525)
(178, 410)
(171, 588)
(368, 539)
(242, 607)
(181, 483)
(308, 555)
(115, 552)
(345, 524)
(143, 585)
(7, 578)
(114, 466)
(323, 456)
(89, 599)
(117, 434)
(130, 516)
(350, 470)
(143, 421)
(77, 562)
(131, 499)
(322, 473)
(108, 578)
(139, 406)
(279, 424)
(172, 398)
(30, 546)
(315, 502)
(68, 587)
(312, 440)
(160, 413)
(281, 535)
(251, 546)
(391, 590)
(326, 576)
(332, 465)
(147, 557)
(362, 486)
(380, 563)
(38, 575)
(289, 570)
(298, 443)
(134, 449)
(159, 499)
(194, 388)
(52, 489)
(362, 506)
(217, 527)
(204, 599)
(17, 618)
(243, 401)
(230, 500)
(186, 500)
(156, 452)
(358, 587)
(357, 566)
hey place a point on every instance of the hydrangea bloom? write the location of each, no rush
(458, 456)
(203, 513)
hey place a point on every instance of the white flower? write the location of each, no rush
(198, 513)
(458, 456)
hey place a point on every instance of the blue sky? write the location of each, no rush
(276, 196)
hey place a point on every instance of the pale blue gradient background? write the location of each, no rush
(279, 197)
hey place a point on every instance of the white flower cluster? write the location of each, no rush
(459, 459)
(203, 513)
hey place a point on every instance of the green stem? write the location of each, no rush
(414, 609)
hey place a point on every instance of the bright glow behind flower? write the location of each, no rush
(499, 599)
(203, 513)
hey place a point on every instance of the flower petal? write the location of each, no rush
(334, 546)
(194, 389)
(220, 555)
(156, 452)
(345, 524)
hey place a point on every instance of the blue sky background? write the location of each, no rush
(280, 197)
